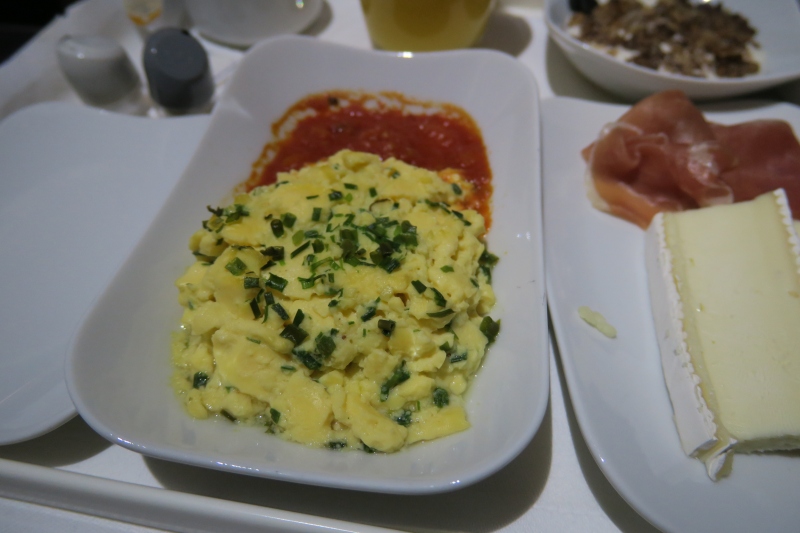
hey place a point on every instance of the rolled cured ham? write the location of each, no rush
(663, 155)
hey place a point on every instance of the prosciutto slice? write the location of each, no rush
(766, 156)
(662, 155)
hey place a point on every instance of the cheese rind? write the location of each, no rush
(725, 294)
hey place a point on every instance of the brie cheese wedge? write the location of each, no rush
(725, 293)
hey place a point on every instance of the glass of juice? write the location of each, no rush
(425, 25)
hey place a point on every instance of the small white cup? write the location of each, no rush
(101, 73)
(241, 23)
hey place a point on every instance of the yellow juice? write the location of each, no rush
(423, 25)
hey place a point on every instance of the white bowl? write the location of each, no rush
(242, 23)
(778, 26)
(118, 367)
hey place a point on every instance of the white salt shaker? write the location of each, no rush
(101, 73)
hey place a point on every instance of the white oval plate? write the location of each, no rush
(778, 25)
(617, 386)
(78, 188)
(119, 368)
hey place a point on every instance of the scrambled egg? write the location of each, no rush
(344, 306)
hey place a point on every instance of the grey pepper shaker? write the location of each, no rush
(177, 69)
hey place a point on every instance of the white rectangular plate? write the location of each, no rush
(616, 385)
(119, 368)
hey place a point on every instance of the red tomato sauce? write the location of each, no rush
(442, 136)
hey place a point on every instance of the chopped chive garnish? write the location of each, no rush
(311, 234)
(275, 415)
(227, 415)
(316, 213)
(277, 227)
(200, 380)
(288, 220)
(298, 317)
(441, 397)
(325, 345)
(367, 449)
(333, 303)
(369, 313)
(438, 298)
(377, 257)
(297, 251)
(404, 419)
(254, 308)
(419, 286)
(390, 264)
(351, 186)
(307, 358)
(372, 192)
(399, 375)
(307, 283)
(447, 268)
(395, 174)
(269, 299)
(251, 339)
(275, 252)
(288, 369)
(276, 282)
(235, 212)
(440, 314)
(486, 263)
(321, 262)
(348, 198)
(457, 358)
(490, 328)
(386, 327)
(318, 246)
(312, 196)
(346, 234)
(236, 266)
(335, 195)
(487, 258)
(336, 444)
(278, 308)
(456, 189)
(251, 282)
(406, 239)
(294, 334)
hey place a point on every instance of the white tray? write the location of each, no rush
(553, 486)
